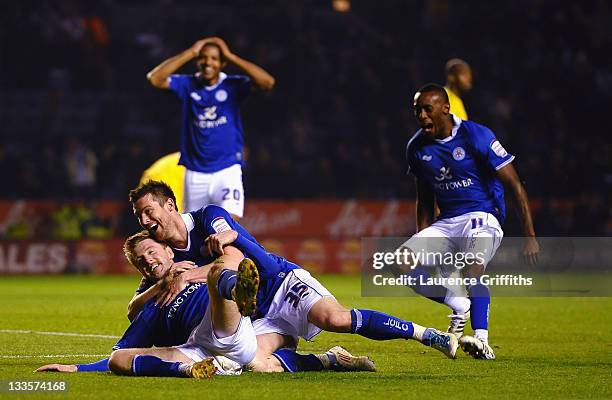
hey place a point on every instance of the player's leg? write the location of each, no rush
(224, 331)
(227, 190)
(427, 245)
(162, 361)
(224, 313)
(331, 316)
(276, 353)
(483, 236)
(268, 342)
(337, 359)
(197, 190)
(310, 307)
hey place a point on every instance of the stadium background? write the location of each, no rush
(79, 123)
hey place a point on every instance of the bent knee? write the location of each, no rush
(120, 362)
(266, 364)
(334, 321)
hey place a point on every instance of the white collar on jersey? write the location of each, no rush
(456, 124)
(190, 224)
(222, 76)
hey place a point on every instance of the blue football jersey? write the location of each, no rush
(461, 169)
(170, 325)
(214, 219)
(212, 135)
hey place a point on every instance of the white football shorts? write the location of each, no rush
(475, 233)
(288, 313)
(203, 343)
(223, 188)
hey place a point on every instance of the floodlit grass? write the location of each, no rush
(546, 348)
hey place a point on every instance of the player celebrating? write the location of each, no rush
(458, 82)
(462, 166)
(290, 304)
(173, 324)
(211, 135)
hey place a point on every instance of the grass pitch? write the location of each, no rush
(545, 347)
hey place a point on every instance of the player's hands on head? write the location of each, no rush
(215, 242)
(222, 45)
(531, 250)
(197, 47)
(57, 368)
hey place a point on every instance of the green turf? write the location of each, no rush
(546, 348)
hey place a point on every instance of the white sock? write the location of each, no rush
(482, 334)
(418, 332)
(459, 304)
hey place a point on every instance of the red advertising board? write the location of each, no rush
(329, 219)
(323, 236)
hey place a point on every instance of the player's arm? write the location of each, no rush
(230, 259)
(512, 183)
(261, 78)
(139, 300)
(424, 204)
(266, 265)
(158, 76)
(98, 366)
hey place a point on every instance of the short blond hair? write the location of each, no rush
(129, 247)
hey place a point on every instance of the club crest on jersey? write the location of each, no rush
(426, 157)
(458, 153)
(221, 95)
(195, 96)
(498, 149)
(219, 224)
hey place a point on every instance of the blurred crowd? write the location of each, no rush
(78, 119)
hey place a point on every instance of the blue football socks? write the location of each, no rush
(379, 326)
(481, 299)
(294, 362)
(98, 366)
(226, 283)
(146, 365)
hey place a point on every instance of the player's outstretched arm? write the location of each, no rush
(98, 366)
(261, 78)
(57, 368)
(511, 181)
(158, 76)
(424, 204)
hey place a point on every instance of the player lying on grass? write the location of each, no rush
(172, 325)
(290, 303)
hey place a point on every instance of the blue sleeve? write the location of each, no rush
(266, 265)
(413, 167)
(488, 148)
(180, 84)
(98, 366)
(217, 219)
(144, 285)
(141, 331)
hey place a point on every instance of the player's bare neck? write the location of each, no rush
(445, 132)
(212, 82)
(180, 238)
(209, 82)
